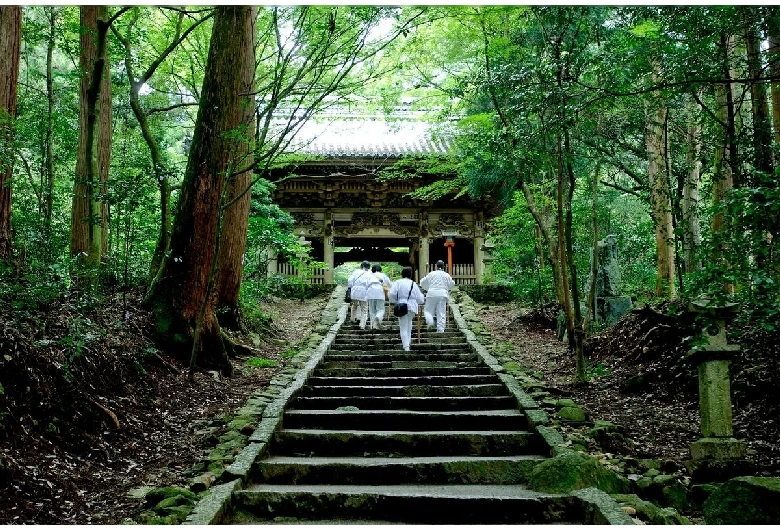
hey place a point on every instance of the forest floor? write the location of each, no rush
(73, 446)
(89, 410)
(639, 380)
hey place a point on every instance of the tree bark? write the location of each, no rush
(759, 105)
(181, 297)
(691, 194)
(10, 44)
(87, 215)
(660, 201)
(773, 30)
(158, 162)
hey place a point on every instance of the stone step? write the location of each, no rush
(321, 442)
(431, 380)
(411, 420)
(405, 403)
(406, 391)
(330, 364)
(399, 470)
(401, 356)
(411, 504)
(401, 372)
(434, 338)
(394, 345)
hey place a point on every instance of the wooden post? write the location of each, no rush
(449, 242)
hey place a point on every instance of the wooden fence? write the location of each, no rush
(286, 269)
(462, 273)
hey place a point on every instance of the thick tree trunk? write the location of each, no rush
(773, 29)
(104, 141)
(181, 296)
(660, 202)
(759, 105)
(230, 265)
(691, 195)
(86, 237)
(10, 44)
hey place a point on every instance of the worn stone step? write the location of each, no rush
(408, 391)
(513, 469)
(391, 344)
(400, 372)
(401, 356)
(405, 403)
(329, 364)
(434, 338)
(412, 504)
(433, 380)
(411, 420)
(322, 442)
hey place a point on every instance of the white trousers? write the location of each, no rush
(406, 323)
(359, 311)
(436, 306)
(376, 312)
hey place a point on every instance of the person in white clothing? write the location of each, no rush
(405, 290)
(437, 285)
(380, 284)
(359, 281)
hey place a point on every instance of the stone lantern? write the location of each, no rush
(718, 455)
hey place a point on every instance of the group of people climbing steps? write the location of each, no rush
(368, 288)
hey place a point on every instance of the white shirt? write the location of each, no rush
(400, 292)
(359, 282)
(375, 290)
(437, 283)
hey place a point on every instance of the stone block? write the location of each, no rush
(718, 449)
(611, 308)
(571, 414)
(715, 399)
(571, 471)
(745, 500)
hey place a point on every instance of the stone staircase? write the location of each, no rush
(382, 436)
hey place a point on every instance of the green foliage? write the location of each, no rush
(259, 362)
(291, 352)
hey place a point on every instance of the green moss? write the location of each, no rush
(156, 495)
(571, 471)
(745, 500)
(259, 362)
(571, 414)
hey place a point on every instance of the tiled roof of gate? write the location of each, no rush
(370, 137)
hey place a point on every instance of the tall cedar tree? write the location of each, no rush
(10, 43)
(220, 143)
(89, 214)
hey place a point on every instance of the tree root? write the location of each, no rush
(108, 412)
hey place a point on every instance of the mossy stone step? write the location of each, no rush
(405, 403)
(398, 470)
(409, 363)
(433, 380)
(401, 372)
(444, 504)
(407, 391)
(401, 356)
(393, 346)
(323, 442)
(411, 420)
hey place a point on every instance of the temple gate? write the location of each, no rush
(340, 200)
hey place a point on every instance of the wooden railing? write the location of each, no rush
(286, 269)
(462, 273)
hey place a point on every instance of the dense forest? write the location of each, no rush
(136, 139)
(137, 144)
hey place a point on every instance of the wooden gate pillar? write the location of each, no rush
(328, 244)
(424, 257)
